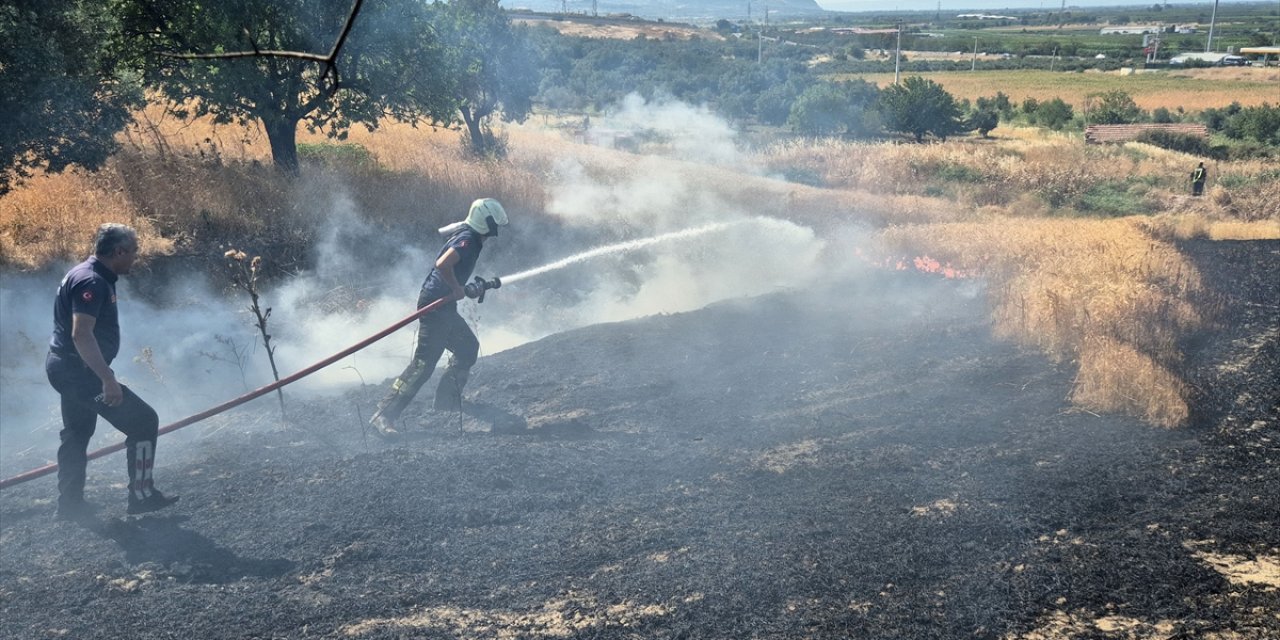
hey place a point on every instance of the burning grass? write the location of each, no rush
(1102, 294)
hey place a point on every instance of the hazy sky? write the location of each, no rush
(957, 5)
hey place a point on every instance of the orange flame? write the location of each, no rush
(923, 264)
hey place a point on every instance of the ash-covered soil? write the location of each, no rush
(859, 461)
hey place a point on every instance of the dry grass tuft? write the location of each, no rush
(1074, 288)
(1115, 377)
(53, 218)
(1260, 230)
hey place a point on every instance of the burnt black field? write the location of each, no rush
(855, 460)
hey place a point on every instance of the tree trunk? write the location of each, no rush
(478, 142)
(283, 135)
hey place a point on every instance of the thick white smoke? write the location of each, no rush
(748, 253)
(199, 347)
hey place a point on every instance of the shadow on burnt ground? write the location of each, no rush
(858, 461)
(187, 555)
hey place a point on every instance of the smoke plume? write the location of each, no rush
(195, 346)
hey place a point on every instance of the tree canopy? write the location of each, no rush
(391, 65)
(1113, 107)
(841, 108)
(491, 64)
(61, 98)
(918, 106)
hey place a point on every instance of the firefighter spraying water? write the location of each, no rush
(444, 329)
(438, 321)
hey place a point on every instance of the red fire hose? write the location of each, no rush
(50, 468)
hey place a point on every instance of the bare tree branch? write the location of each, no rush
(346, 30)
(330, 61)
(300, 55)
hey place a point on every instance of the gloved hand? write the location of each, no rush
(476, 288)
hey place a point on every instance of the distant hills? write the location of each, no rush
(687, 10)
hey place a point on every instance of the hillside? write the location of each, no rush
(857, 458)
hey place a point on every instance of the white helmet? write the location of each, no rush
(486, 215)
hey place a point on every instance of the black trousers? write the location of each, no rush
(444, 329)
(439, 330)
(79, 387)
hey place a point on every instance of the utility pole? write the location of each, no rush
(1208, 45)
(897, 55)
(974, 67)
(759, 40)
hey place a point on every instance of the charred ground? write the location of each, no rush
(859, 461)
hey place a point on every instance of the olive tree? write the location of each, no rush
(491, 66)
(391, 63)
(919, 107)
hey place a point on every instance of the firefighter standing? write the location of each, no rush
(86, 338)
(444, 328)
(1197, 179)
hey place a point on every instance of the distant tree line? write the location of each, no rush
(591, 74)
(73, 71)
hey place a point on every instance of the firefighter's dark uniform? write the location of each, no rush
(439, 330)
(1197, 180)
(89, 288)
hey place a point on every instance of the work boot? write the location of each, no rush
(449, 391)
(153, 502)
(75, 510)
(383, 427)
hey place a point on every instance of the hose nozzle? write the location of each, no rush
(476, 288)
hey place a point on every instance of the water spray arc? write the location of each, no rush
(475, 289)
(620, 247)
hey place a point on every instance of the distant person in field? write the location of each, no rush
(444, 328)
(86, 338)
(1197, 180)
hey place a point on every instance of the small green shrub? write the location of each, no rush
(959, 173)
(1113, 199)
(347, 154)
(1244, 181)
(1194, 145)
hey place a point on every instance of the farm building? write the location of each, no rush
(1101, 133)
